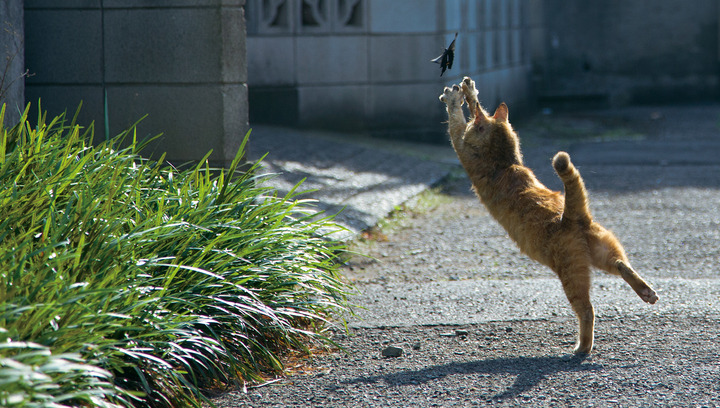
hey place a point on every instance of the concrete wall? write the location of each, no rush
(181, 62)
(364, 64)
(353, 64)
(12, 84)
(619, 52)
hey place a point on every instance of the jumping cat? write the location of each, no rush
(554, 229)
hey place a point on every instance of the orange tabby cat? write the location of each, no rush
(553, 229)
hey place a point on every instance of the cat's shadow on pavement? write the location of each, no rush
(529, 372)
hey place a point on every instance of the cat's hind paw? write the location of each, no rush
(583, 349)
(648, 295)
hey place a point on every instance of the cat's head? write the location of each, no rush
(492, 137)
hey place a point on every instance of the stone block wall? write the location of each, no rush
(350, 64)
(364, 64)
(620, 52)
(181, 62)
(12, 81)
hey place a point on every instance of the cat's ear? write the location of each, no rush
(478, 114)
(501, 113)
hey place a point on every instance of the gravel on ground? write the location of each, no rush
(467, 350)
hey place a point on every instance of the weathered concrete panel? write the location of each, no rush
(271, 61)
(273, 104)
(453, 15)
(189, 117)
(57, 99)
(490, 14)
(64, 4)
(235, 119)
(234, 47)
(12, 59)
(174, 45)
(534, 13)
(471, 15)
(340, 107)
(510, 85)
(624, 50)
(63, 46)
(490, 49)
(332, 60)
(403, 16)
(468, 50)
(170, 3)
(405, 58)
(391, 59)
(516, 46)
(182, 62)
(402, 105)
(515, 13)
(503, 45)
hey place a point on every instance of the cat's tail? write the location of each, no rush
(576, 202)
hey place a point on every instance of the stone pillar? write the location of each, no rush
(181, 63)
(12, 57)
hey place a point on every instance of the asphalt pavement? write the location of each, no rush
(479, 324)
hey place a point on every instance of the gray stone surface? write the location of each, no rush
(235, 114)
(400, 58)
(71, 55)
(180, 62)
(139, 48)
(233, 57)
(390, 104)
(54, 4)
(381, 57)
(331, 60)
(66, 98)
(185, 136)
(271, 60)
(404, 16)
(171, 3)
(613, 49)
(337, 101)
(12, 66)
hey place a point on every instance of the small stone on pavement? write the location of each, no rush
(392, 351)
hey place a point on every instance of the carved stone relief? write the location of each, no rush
(305, 16)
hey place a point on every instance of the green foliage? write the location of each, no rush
(124, 281)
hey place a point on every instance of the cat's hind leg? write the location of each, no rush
(607, 254)
(642, 288)
(576, 284)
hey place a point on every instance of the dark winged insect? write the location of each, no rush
(446, 59)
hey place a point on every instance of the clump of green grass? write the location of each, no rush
(125, 282)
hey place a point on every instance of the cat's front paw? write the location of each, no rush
(453, 97)
(468, 88)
